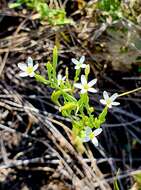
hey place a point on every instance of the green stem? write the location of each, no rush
(77, 73)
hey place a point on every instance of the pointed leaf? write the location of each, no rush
(41, 79)
(103, 115)
(49, 71)
(55, 96)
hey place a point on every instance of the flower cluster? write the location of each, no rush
(63, 87)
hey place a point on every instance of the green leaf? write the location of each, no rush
(83, 102)
(52, 15)
(69, 98)
(91, 122)
(77, 127)
(49, 71)
(103, 115)
(55, 60)
(55, 96)
(14, 5)
(41, 79)
(68, 108)
(97, 123)
(43, 9)
(70, 104)
(137, 178)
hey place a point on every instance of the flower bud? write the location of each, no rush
(87, 70)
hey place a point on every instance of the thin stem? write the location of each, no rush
(129, 92)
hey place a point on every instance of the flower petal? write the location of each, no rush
(22, 66)
(82, 59)
(83, 91)
(97, 131)
(105, 95)
(78, 85)
(95, 141)
(32, 74)
(83, 66)
(114, 96)
(92, 90)
(64, 78)
(35, 67)
(88, 130)
(30, 62)
(102, 101)
(92, 82)
(109, 105)
(75, 61)
(83, 79)
(77, 67)
(59, 77)
(86, 139)
(115, 103)
(23, 74)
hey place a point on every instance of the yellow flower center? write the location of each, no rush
(86, 86)
(79, 64)
(91, 135)
(29, 70)
(109, 101)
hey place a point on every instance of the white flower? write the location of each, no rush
(60, 79)
(84, 86)
(79, 63)
(27, 68)
(109, 101)
(91, 135)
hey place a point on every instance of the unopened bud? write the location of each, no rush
(87, 70)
